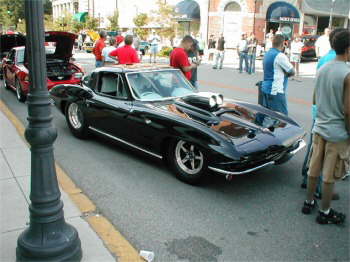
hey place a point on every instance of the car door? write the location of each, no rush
(109, 108)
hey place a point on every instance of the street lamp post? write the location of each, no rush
(48, 237)
(331, 15)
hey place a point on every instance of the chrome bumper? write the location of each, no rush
(302, 144)
(224, 172)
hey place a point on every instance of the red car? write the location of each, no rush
(60, 68)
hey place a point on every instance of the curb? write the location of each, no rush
(115, 242)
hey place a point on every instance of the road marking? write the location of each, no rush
(111, 237)
(254, 91)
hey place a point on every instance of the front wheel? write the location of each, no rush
(187, 161)
(76, 121)
(21, 97)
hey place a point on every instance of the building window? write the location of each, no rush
(232, 7)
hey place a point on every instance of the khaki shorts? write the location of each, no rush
(329, 158)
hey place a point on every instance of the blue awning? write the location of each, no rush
(188, 9)
(282, 12)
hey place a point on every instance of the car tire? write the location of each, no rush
(21, 97)
(188, 161)
(76, 121)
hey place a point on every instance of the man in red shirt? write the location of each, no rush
(125, 54)
(97, 50)
(119, 39)
(179, 57)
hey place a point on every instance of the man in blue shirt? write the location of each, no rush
(277, 69)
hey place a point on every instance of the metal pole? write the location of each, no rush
(48, 237)
(331, 15)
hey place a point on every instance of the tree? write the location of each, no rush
(114, 21)
(141, 20)
(92, 23)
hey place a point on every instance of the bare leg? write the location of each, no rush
(311, 187)
(327, 194)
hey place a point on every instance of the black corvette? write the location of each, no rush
(154, 109)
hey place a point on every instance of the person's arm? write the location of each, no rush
(286, 66)
(188, 68)
(113, 54)
(347, 102)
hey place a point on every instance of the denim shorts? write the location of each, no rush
(276, 103)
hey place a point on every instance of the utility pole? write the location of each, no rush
(331, 15)
(48, 237)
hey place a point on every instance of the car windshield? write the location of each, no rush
(158, 85)
(20, 53)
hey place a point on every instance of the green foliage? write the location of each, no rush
(77, 26)
(12, 13)
(165, 51)
(91, 23)
(165, 16)
(141, 20)
(114, 20)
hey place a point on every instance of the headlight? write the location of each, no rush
(219, 99)
(212, 101)
(78, 75)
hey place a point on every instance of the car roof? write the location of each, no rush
(133, 68)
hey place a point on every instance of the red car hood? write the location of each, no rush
(9, 41)
(63, 43)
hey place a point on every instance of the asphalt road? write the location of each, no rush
(255, 217)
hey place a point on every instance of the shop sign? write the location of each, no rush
(290, 19)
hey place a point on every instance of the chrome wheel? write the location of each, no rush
(188, 157)
(18, 92)
(74, 116)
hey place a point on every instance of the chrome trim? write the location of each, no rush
(240, 172)
(127, 143)
(302, 144)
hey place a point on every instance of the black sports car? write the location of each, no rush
(154, 109)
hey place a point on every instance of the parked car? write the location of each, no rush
(154, 109)
(308, 51)
(7, 42)
(144, 47)
(60, 68)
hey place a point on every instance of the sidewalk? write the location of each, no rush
(14, 200)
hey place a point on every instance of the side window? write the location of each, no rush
(122, 92)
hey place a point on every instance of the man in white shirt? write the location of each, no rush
(106, 50)
(242, 51)
(322, 44)
(295, 53)
(154, 40)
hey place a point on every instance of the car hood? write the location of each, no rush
(9, 41)
(241, 121)
(63, 42)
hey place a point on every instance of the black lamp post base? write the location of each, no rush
(56, 241)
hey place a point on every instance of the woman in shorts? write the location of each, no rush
(295, 54)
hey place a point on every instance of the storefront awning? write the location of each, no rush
(280, 12)
(188, 9)
(323, 7)
(80, 17)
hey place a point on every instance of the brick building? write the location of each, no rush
(234, 17)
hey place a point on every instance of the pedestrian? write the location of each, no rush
(331, 132)
(154, 41)
(322, 45)
(193, 56)
(211, 47)
(295, 53)
(125, 54)
(201, 46)
(277, 69)
(242, 51)
(252, 45)
(105, 52)
(80, 41)
(136, 45)
(268, 40)
(119, 38)
(220, 53)
(331, 55)
(179, 58)
(97, 50)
